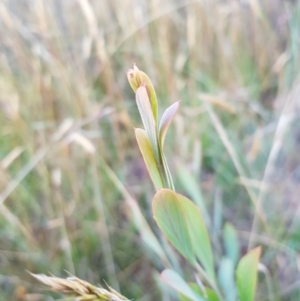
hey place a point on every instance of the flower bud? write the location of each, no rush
(132, 80)
(138, 78)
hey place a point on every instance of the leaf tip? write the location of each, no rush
(257, 251)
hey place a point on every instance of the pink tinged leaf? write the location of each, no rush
(175, 281)
(166, 120)
(204, 292)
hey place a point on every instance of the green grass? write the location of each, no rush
(63, 72)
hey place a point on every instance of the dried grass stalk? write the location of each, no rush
(79, 289)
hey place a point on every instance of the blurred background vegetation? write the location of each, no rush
(71, 172)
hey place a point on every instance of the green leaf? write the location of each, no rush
(165, 122)
(147, 116)
(231, 243)
(167, 292)
(226, 279)
(209, 294)
(178, 284)
(181, 221)
(199, 235)
(170, 216)
(148, 155)
(246, 275)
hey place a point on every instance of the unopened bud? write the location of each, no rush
(138, 78)
(132, 80)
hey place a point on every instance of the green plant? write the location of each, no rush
(181, 222)
(178, 217)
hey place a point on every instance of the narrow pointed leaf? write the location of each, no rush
(147, 116)
(226, 279)
(170, 216)
(231, 243)
(199, 235)
(178, 284)
(148, 156)
(165, 122)
(246, 275)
